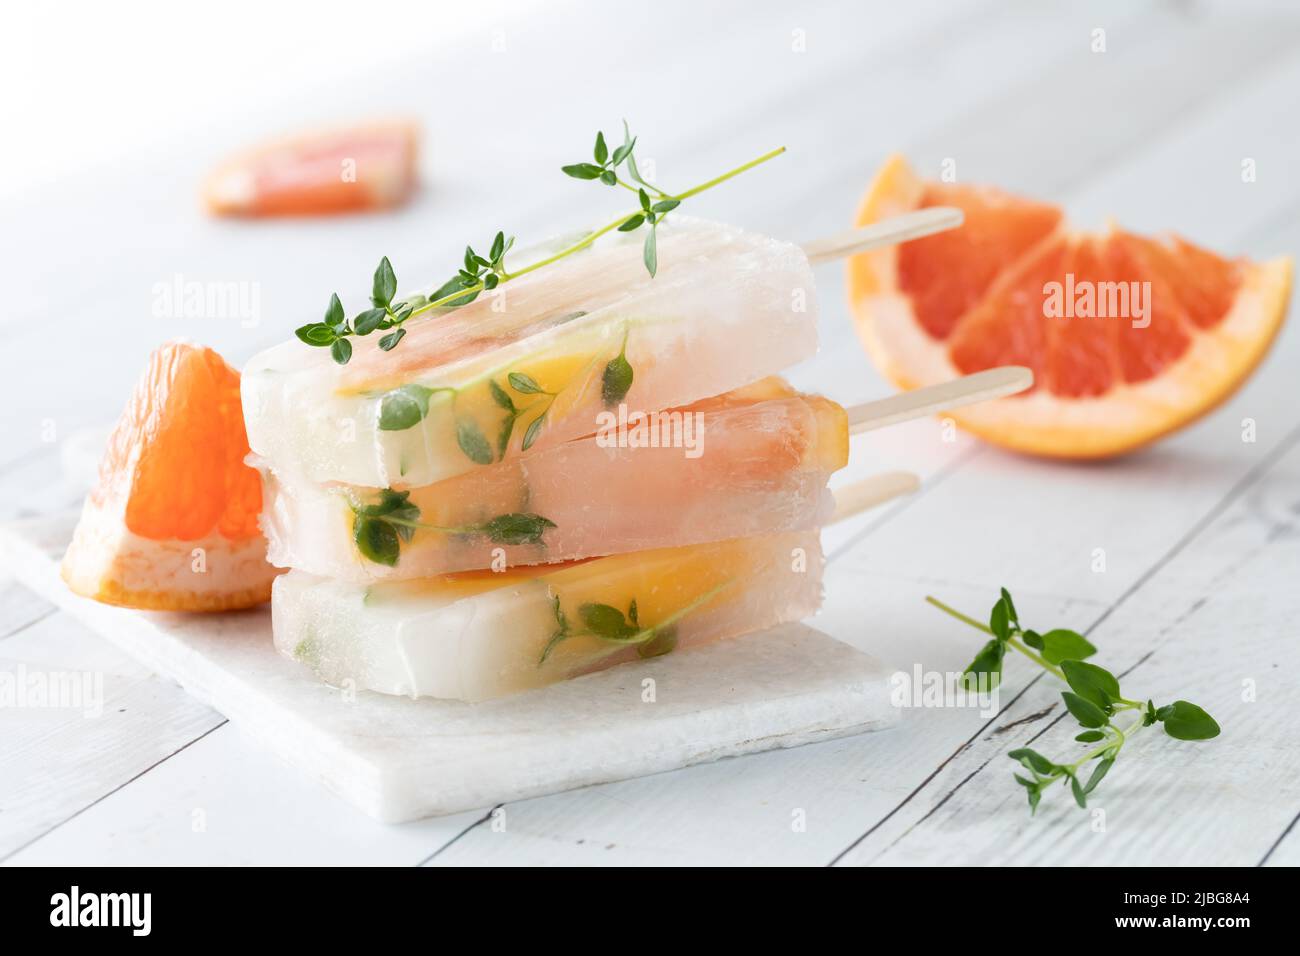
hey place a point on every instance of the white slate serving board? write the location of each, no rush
(399, 759)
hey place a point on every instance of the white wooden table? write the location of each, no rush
(1200, 592)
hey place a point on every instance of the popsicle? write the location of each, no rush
(533, 363)
(752, 461)
(481, 634)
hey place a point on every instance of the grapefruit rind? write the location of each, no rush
(895, 190)
(110, 564)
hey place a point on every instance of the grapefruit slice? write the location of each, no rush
(334, 171)
(1129, 338)
(172, 522)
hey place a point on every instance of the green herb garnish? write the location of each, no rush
(379, 530)
(473, 442)
(335, 329)
(524, 385)
(617, 378)
(479, 273)
(513, 528)
(503, 399)
(1094, 700)
(405, 406)
(652, 211)
(608, 623)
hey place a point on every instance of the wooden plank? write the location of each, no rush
(20, 607)
(1191, 181)
(1285, 851)
(1091, 111)
(59, 760)
(1214, 625)
(225, 801)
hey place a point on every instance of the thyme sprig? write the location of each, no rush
(478, 273)
(380, 529)
(1094, 700)
(652, 212)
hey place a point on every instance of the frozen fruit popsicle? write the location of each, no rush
(752, 461)
(481, 634)
(531, 364)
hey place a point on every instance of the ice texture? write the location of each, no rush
(727, 308)
(481, 635)
(755, 460)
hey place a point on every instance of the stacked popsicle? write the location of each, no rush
(591, 466)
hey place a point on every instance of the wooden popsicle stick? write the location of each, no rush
(979, 387)
(887, 232)
(869, 492)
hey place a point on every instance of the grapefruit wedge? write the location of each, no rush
(171, 523)
(348, 169)
(1129, 338)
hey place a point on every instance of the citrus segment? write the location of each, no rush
(946, 274)
(332, 171)
(1129, 337)
(1005, 327)
(172, 522)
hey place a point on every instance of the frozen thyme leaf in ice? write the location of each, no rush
(404, 407)
(663, 642)
(473, 442)
(616, 381)
(380, 529)
(518, 528)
